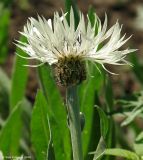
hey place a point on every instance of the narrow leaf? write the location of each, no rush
(50, 152)
(19, 78)
(100, 149)
(57, 114)
(122, 153)
(68, 5)
(103, 122)
(92, 120)
(4, 24)
(4, 94)
(139, 138)
(131, 116)
(138, 145)
(39, 127)
(10, 133)
(109, 98)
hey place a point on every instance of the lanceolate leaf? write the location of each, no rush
(50, 151)
(39, 127)
(88, 97)
(104, 124)
(91, 15)
(19, 78)
(57, 114)
(100, 149)
(122, 153)
(132, 116)
(111, 135)
(138, 145)
(140, 137)
(10, 133)
(4, 24)
(68, 5)
(4, 94)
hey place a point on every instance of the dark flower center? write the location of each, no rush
(70, 71)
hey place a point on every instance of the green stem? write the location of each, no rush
(74, 122)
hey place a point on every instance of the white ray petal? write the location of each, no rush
(52, 39)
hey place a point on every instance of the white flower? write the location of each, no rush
(49, 40)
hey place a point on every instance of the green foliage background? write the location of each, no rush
(40, 130)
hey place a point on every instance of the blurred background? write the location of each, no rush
(14, 14)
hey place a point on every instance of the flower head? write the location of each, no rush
(58, 43)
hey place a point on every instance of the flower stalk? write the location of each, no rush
(74, 122)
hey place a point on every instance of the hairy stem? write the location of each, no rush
(74, 122)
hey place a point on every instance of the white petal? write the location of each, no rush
(49, 40)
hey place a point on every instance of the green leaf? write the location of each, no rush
(4, 94)
(110, 138)
(109, 94)
(132, 108)
(137, 68)
(50, 151)
(10, 133)
(57, 114)
(131, 116)
(26, 119)
(92, 120)
(103, 122)
(39, 127)
(19, 78)
(100, 149)
(91, 14)
(50, 154)
(139, 138)
(138, 145)
(73, 4)
(92, 18)
(4, 81)
(5, 87)
(109, 99)
(4, 24)
(122, 153)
